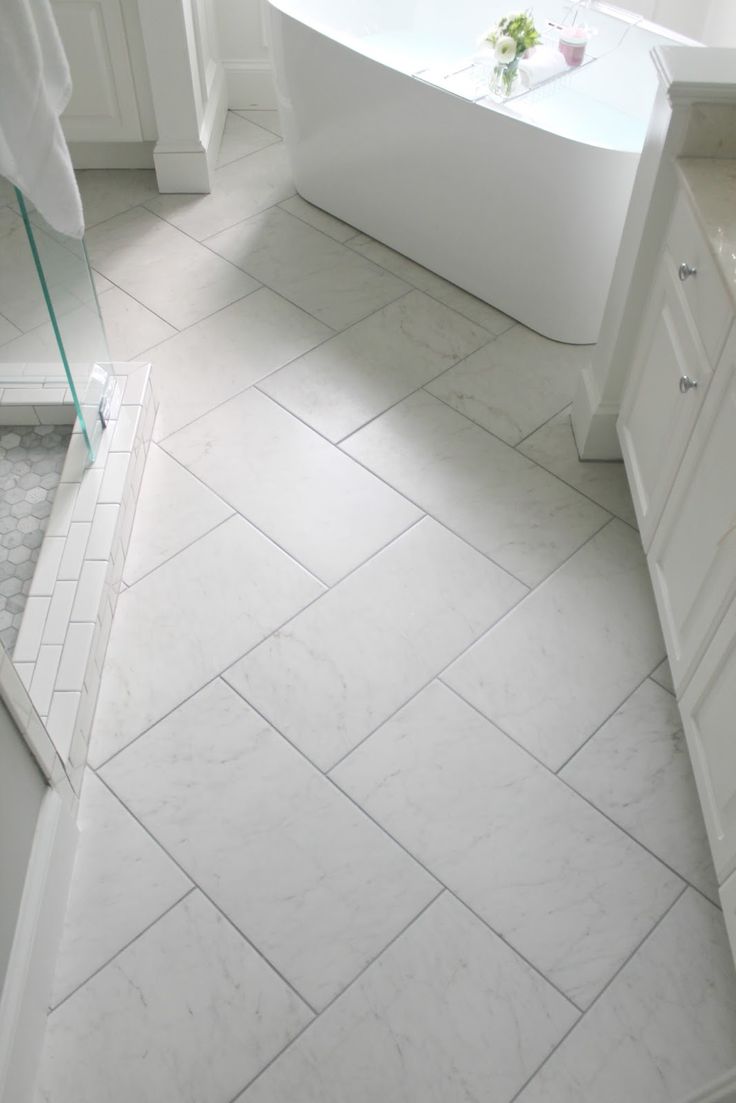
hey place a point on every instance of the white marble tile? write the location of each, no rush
(188, 620)
(173, 510)
(188, 1013)
(20, 291)
(360, 373)
(307, 267)
(340, 668)
(241, 137)
(222, 355)
(316, 503)
(557, 668)
(107, 192)
(129, 326)
(502, 503)
(561, 884)
(317, 887)
(666, 1026)
(553, 446)
(321, 220)
(636, 769)
(122, 882)
(442, 290)
(173, 276)
(263, 117)
(663, 676)
(448, 1014)
(513, 385)
(241, 189)
(7, 331)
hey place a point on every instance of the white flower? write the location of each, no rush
(505, 49)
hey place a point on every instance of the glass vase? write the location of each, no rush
(504, 79)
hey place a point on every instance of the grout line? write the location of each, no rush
(567, 1033)
(577, 793)
(189, 891)
(340, 994)
(185, 547)
(414, 858)
(258, 643)
(207, 896)
(241, 111)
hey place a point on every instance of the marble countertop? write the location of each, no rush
(711, 183)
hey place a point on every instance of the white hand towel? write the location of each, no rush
(540, 64)
(35, 87)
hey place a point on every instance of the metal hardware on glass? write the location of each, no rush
(687, 384)
(685, 271)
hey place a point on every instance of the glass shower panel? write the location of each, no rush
(51, 330)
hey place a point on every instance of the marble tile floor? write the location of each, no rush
(388, 799)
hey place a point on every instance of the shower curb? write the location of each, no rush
(66, 624)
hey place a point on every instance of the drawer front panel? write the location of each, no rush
(704, 293)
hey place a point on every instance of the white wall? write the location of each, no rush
(22, 788)
(241, 27)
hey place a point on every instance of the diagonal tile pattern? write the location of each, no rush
(511, 840)
(442, 892)
(315, 885)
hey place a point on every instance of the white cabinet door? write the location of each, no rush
(657, 412)
(103, 106)
(708, 708)
(693, 555)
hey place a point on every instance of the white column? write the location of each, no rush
(188, 88)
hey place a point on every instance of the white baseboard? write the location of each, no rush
(188, 167)
(112, 155)
(250, 84)
(594, 422)
(30, 973)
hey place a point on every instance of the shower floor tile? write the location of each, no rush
(31, 459)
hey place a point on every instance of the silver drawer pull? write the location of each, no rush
(687, 384)
(685, 271)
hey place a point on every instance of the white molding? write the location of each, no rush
(29, 977)
(250, 84)
(112, 155)
(594, 421)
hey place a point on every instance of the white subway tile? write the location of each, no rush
(126, 429)
(89, 491)
(114, 479)
(101, 536)
(73, 665)
(60, 612)
(25, 673)
(58, 413)
(31, 629)
(47, 567)
(62, 509)
(44, 677)
(89, 591)
(70, 566)
(60, 722)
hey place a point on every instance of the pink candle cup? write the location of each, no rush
(573, 41)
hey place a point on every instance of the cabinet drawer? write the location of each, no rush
(703, 291)
(692, 557)
(708, 709)
(656, 416)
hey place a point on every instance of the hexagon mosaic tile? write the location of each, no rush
(31, 461)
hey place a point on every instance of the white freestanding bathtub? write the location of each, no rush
(520, 203)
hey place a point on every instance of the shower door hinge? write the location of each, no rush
(108, 394)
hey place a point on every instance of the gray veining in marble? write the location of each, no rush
(316, 886)
(556, 879)
(448, 1014)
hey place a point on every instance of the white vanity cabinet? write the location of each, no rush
(678, 435)
(685, 324)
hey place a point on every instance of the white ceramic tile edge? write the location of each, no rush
(92, 501)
